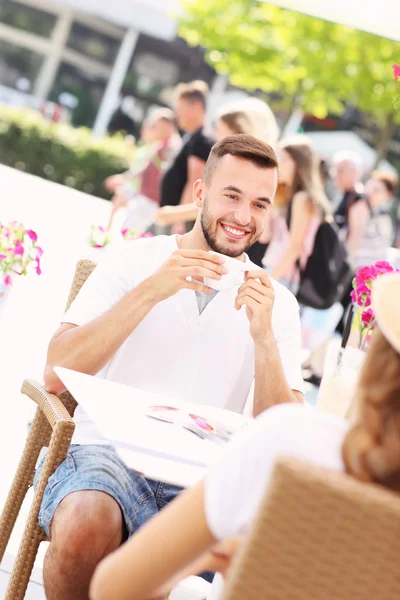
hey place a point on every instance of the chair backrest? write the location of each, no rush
(319, 534)
(83, 269)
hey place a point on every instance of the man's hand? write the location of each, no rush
(258, 296)
(176, 273)
(114, 181)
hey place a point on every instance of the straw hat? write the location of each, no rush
(386, 306)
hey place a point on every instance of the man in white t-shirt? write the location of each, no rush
(146, 318)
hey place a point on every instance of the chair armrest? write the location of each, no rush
(50, 404)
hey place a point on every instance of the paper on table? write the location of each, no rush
(162, 451)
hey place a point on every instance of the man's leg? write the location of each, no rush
(86, 526)
(89, 507)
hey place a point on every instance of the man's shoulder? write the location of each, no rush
(136, 254)
(284, 297)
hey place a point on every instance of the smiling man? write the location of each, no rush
(145, 318)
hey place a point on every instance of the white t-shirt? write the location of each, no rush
(236, 482)
(174, 351)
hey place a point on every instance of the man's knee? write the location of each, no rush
(86, 526)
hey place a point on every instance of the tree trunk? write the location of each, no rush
(383, 139)
(294, 104)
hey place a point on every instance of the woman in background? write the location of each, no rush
(203, 527)
(300, 206)
(251, 116)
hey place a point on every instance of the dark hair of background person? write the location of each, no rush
(195, 91)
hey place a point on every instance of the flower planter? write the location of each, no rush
(339, 382)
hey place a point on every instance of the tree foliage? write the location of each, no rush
(318, 64)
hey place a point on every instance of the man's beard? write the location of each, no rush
(210, 228)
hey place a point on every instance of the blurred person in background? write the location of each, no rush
(250, 116)
(189, 163)
(139, 187)
(301, 205)
(346, 172)
(375, 222)
(206, 525)
(352, 208)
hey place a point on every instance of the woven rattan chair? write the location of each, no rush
(319, 535)
(52, 427)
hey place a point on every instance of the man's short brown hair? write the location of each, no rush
(243, 146)
(195, 91)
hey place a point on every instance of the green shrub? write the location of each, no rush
(59, 152)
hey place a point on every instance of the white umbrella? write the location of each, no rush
(381, 18)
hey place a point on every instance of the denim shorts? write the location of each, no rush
(98, 467)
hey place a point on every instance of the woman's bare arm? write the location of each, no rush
(358, 218)
(169, 215)
(167, 549)
(302, 212)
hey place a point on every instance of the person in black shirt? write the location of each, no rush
(248, 116)
(346, 174)
(347, 170)
(188, 165)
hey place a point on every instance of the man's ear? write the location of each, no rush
(198, 192)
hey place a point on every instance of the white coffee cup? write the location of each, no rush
(235, 275)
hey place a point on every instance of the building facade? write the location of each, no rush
(87, 63)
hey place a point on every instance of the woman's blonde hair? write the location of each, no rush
(307, 176)
(371, 449)
(253, 117)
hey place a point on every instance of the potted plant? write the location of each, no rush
(19, 255)
(344, 360)
(364, 318)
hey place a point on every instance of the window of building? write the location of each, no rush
(27, 18)
(19, 67)
(80, 92)
(93, 44)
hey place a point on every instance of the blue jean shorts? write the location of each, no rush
(98, 467)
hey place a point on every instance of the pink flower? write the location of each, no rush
(124, 232)
(361, 295)
(38, 269)
(147, 234)
(3, 256)
(382, 266)
(101, 228)
(32, 235)
(363, 275)
(39, 251)
(19, 249)
(367, 317)
(7, 280)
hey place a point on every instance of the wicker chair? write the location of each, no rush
(319, 535)
(52, 427)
